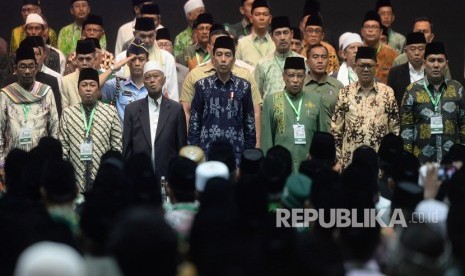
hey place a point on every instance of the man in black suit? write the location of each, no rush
(402, 75)
(154, 125)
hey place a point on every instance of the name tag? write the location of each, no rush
(299, 134)
(85, 151)
(127, 93)
(25, 136)
(436, 124)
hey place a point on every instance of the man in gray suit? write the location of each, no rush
(154, 125)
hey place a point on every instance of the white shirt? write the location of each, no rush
(170, 89)
(343, 75)
(414, 74)
(154, 113)
(52, 73)
(125, 33)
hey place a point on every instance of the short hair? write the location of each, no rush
(423, 18)
(316, 46)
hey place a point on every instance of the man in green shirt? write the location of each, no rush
(70, 34)
(269, 70)
(291, 117)
(192, 8)
(318, 82)
(386, 13)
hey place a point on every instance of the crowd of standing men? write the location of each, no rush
(242, 118)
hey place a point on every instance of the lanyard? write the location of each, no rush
(87, 126)
(26, 109)
(434, 101)
(279, 65)
(258, 50)
(205, 59)
(296, 111)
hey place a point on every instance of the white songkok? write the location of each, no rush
(207, 171)
(153, 65)
(352, 38)
(192, 5)
(34, 18)
(342, 37)
(50, 258)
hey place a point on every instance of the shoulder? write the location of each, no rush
(71, 110)
(66, 28)
(241, 81)
(135, 105)
(335, 82)
(174, 104)
(454, 83)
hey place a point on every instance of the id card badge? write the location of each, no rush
(25, 136)
(299, 134)
(436, 124)
(86, 151)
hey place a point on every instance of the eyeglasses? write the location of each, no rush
(313, 31)
(366, 66)
(371, 28)
(164, 44)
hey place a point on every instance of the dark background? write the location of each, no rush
(339, 16)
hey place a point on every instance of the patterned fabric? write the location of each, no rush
(363, 120)
(416, 112)
(18, 34)
(181, 216)
(333, 61)
(107, 60)
(269, 72)
(207, 69)
(222, 112)
(396, 41)
(70, 34)
(127, 93)
(182, 40)
(42, 117)
(252, 48)
(105, 135)
(192, 56)
(385, 58)
(278, 119)
(328, 88)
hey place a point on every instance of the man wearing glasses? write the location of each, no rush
(366, 110)
(292, 116)
(371, 35)
(27, 108)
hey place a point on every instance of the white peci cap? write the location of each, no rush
(352, 38)
(152, 65)
(192, 5)
(34, 18)
(342, 37)
(207, 171)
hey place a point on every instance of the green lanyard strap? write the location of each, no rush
(26, 109)
(205, 59)
(434, 101)
(87, 126)
(296, 111)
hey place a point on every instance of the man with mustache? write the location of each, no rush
(366, 110)
(269, 70)
(433, 110)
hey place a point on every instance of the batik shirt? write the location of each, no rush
(42, 117)
(385, 56)
(105, 134)
(182, 40)
(416, 112)
(222, 112)
(192, 56)
(70, 34)
(269, 72)
(363, 120)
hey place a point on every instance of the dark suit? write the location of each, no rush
(171, 133)
(43, 78)
(398, 80)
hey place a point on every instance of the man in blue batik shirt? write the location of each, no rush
(222, 108)
(120, 91)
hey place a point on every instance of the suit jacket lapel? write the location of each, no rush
(145, 120)
(163, 117)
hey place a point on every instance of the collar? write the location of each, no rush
(198, 48)
(322, 81)
(75, 26)
(412, 70)
(153, 102)
(294, 97)
(431, 86)
(289, 53)
(232, 79)
(245, 23)
(129, 81)
(254, 37)
(360, 90)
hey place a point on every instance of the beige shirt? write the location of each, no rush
(70, 93)
(252, 48)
